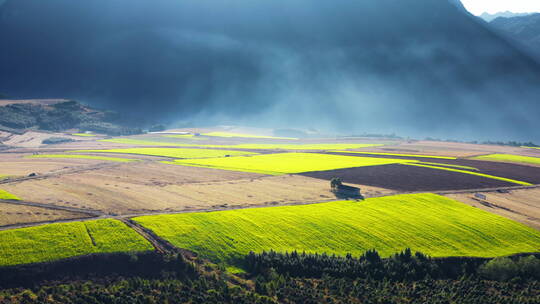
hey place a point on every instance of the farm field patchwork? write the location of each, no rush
(473, 173)
(230, 135)
(58, 241)
(244, 146)
(448, 165)
(397, 154)
(288, 163)
(8, 196)
(113, 159)
(433, 224)
(84, 134)
(510, 158)
(173, 152)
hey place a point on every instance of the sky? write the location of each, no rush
(478, 7)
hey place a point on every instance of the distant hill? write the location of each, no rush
(413, 67)
(59, 115)
(490, 17)
(524, 29)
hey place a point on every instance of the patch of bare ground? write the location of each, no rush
(519, 205)
(33, 139)
(13, 214)
(16, 165)
(139, 188)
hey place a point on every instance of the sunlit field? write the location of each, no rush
(230, 135)
(429, 223)
(510, 158)
(57, 241)
(287, 163)
(8, 196)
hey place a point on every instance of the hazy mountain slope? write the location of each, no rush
(490, 17)
(525, 29)
(414, 67)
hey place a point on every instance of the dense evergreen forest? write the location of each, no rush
(276, 278)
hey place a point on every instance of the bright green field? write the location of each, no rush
(396, 154)
(229, 135)
(8, 196)
(429, 223)
(58, 241)
(471, 173)
(245, 146)
(84, 134)
(114, 159)
(173, 152)
(287, 163)
(510, 158)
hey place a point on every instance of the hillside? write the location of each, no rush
(59, 115)
(523, 29)
(415, 67)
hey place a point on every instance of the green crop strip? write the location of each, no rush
(288, 163)
(428, 223)
(83, 134)
(473, 173)
(58, 241)
(510, 158)
(173, 152)
(397, 154)
(114, 159)
(8, 196)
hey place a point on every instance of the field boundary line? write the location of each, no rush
(54, 207)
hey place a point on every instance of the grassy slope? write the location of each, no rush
(429, 223)
(114, 159)
(244, 146)
(57, 241)
(472, 173)
(173, 152)
(286, 163)
(510, 158)
(8, 196)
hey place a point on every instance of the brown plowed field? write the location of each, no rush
(529, 174)
(409, 178)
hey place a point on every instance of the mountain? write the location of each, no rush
(411, 67)
(525, 30)
(59, 115)
(508, 14)
(458, 4)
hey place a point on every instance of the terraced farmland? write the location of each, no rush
(288, 163)
(429, 223)
(510, 158)
(113, 159)
(57, 241)
(173, 152)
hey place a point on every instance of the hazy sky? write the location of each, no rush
(477, 7)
